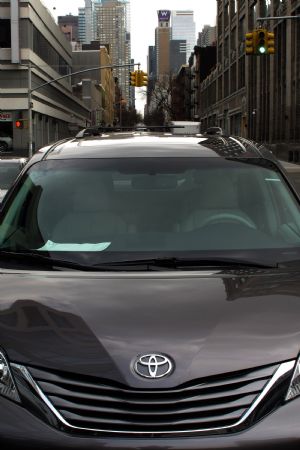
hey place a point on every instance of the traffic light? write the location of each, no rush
(133, 78)
(261, 42)
(250, 42)
(139, 78)
(144, 79)
(19, 123)
(270, 43)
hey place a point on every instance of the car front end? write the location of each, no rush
(150, 298)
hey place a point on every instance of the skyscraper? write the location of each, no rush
(207, 37)
(162, 43)
(108, 21)
(69, 26)
(81, 24)
(184, 27)
(112, 27)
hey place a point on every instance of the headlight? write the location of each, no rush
(7, 385)
(294, 389)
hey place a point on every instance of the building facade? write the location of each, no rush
(162, 44)
(69, 26)
(256, 96)
(175, 38)
(207, 37)
(177, 54)
(113, 28)
(81, 25)
(33, 52)
(184, 28)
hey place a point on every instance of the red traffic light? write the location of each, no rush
(19, 123)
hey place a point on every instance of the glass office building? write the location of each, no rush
(184, 28)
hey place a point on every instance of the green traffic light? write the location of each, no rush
(262, 50)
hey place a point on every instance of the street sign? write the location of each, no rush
(5, 117)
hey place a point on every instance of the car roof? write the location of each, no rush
(147, 144)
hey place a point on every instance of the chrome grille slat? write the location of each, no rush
(62, 403)
(41, 375)
(190, 421)
(88, 403)
(50, 388)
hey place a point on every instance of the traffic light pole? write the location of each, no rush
(30, 127)
(31, 90)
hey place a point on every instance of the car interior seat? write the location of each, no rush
(214, 201)
(91, 217)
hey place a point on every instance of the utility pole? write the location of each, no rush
(30, 131)
(31, 90)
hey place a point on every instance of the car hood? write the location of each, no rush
(98, 324)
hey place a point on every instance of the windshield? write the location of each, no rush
(115, 209)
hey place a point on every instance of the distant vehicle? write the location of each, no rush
(185, 127)
(9, 170)
(5, 142)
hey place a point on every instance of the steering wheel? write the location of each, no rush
(230, 218)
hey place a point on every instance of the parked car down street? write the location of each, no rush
(9, 170)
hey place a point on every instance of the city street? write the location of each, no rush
(150, 225)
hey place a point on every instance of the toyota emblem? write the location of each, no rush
(153, 366)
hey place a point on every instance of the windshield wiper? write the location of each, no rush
(160, 263)
(179, 263)
(43, 260)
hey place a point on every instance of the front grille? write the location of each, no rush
(90, 403)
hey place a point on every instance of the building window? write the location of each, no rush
(266, 7)
(5, 33)
(46, 52)
(241, 81)
(242, 29)
(226, 83)
(220, 29)
(253, 16)
(226, 15)
(233, 8)
(233, 78)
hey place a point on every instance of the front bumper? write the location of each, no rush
(19, 429)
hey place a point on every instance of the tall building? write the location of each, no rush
(81, 24)
(177, 54)
(256, 96)
(162, 44)
(112, 27)
(184, 27)
(97, 87)
(87, 21)
(32, 43)
(207, 37)
(69, 26)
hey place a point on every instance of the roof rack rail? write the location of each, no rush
(95, 131)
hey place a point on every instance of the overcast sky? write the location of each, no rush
(144, 19)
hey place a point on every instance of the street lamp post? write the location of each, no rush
(31, 90)
(30, 130)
